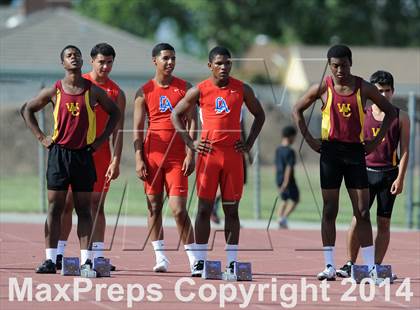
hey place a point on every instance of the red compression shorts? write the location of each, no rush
(164, 154)
(224, 166)
(102, 159)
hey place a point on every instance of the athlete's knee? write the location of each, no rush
(204, 211)
(55, 210)
(363, 215)
(154, 209)
(231, 212)
(329, 213)
(180, 214)
(83, 213)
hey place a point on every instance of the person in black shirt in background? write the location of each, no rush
(285, 161)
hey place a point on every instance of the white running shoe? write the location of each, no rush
(328, 273)
(161, 266)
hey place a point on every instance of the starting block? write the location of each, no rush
(241, 272)
(384, 272)
(102, 267)
(87, 272)
(71, 266)
(359, 272)
(212, 270)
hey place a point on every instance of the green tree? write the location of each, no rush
(235, 23)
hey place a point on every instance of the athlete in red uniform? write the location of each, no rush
(342, 150)
(162, 161)
(70, 160)
(219, 161)
(384, 169)
(107, 169)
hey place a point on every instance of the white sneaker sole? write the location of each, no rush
(161, 268)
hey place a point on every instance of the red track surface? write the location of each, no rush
(22, 249)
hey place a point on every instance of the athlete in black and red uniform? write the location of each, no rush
(384, 169)
(70, 161)
(342, 149)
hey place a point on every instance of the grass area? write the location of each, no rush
(21, 194)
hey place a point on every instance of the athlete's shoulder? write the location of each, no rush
(204, 84)
(235, 82)
(148, 86)
(112, 85)
(87, 76)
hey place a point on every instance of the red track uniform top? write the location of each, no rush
(221, 111)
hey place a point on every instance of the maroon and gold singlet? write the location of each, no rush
(343, 115)
(74, 119)
(385, 154)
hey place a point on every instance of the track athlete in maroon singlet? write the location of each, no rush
(70, 149)
(342, 149)
(106, 165)
(385, 169)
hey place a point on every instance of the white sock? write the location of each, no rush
(51, 253)
(368, 254)
(98, 249)
(159, 247)
(231, 253)
(84, 255)
(61, 247)
(201, 251)
(189, 248)
(329, 253)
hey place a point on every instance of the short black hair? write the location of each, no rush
(339, 51)
(102, 48)
(288, 131)
(161, 47)
(218, 50)
(68, 47)
(382, 78)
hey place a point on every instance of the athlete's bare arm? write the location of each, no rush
(138, 133)
(188, 165)
(309, 98)
(182, 108)
(371, 92)
(101, 98)
(254, 106)
(34, 105)
(117, 140)
(398, 184)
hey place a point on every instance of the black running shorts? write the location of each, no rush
(343, 160)
(70, 167)
(380, 182)
(291, 192)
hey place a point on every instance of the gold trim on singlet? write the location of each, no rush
(55, 113)
(394, 158)
(361, 114)
(91, 133)
(326, 117)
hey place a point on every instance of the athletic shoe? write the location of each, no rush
(231, 267)
(328, 273)
(113, 268)
(198, 268)
(161, 266)
(59, 262)
(88, 263)
(283, 224)
(394, 277)
(47, 267)
(345, 271)
(374, 276)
